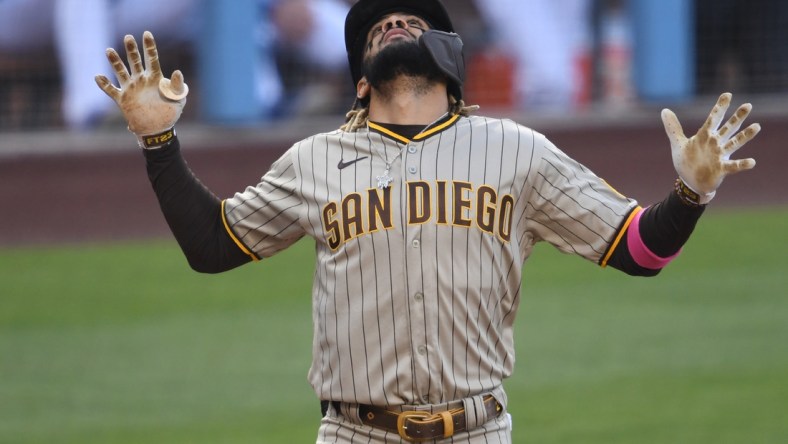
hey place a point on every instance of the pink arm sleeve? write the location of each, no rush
(642, 255)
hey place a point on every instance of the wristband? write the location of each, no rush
(156, 141)
(689, 197)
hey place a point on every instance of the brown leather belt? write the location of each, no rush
(415, 426)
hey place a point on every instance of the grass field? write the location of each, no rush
(122, 343)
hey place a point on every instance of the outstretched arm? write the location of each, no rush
(654, 236)
(193, 213)
(152, 105)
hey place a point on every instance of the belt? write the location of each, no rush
(419, 425)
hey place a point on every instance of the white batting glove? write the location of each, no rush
(703, 160)
(150, 102)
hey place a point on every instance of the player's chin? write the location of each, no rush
(392, 44)
(397, 38)
(401, 57)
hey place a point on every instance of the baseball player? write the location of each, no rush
(422, 215)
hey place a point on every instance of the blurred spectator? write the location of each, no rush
(549, 41)
(613, 52)
(309, 36)
(79, 31)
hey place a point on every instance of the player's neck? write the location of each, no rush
(404, 104)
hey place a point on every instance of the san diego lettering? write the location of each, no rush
(451, 203)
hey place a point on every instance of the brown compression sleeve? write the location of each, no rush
(193, 213)
(664, 229)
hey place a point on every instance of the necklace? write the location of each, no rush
(385, 180)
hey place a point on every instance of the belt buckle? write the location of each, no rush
(402, 428)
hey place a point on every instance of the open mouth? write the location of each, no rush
(396, 34)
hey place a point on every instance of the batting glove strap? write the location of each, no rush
(156, 141)
(689, 197)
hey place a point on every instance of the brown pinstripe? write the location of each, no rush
(417, 286)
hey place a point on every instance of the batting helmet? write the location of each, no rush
(366, 13)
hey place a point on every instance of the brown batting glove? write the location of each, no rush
(703, 160)
(150, 102)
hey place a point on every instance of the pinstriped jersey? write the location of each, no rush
(417, 284)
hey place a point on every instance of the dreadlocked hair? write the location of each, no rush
(357, 117)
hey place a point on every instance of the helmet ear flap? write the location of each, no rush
(445, 48)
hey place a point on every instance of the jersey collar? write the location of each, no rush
(438, 126)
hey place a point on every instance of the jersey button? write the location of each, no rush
(419, 296)
(416, 243)
(413, 170)
(412, 149)
(422, 349)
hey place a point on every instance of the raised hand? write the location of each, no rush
(703, 160)
(150, 103)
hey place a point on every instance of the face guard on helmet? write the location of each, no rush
(441, 42)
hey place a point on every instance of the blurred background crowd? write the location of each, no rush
(525, 56)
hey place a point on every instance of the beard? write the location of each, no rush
(402, 59)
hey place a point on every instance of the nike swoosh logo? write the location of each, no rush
(342, 164)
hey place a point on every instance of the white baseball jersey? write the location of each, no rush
(417, 284)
